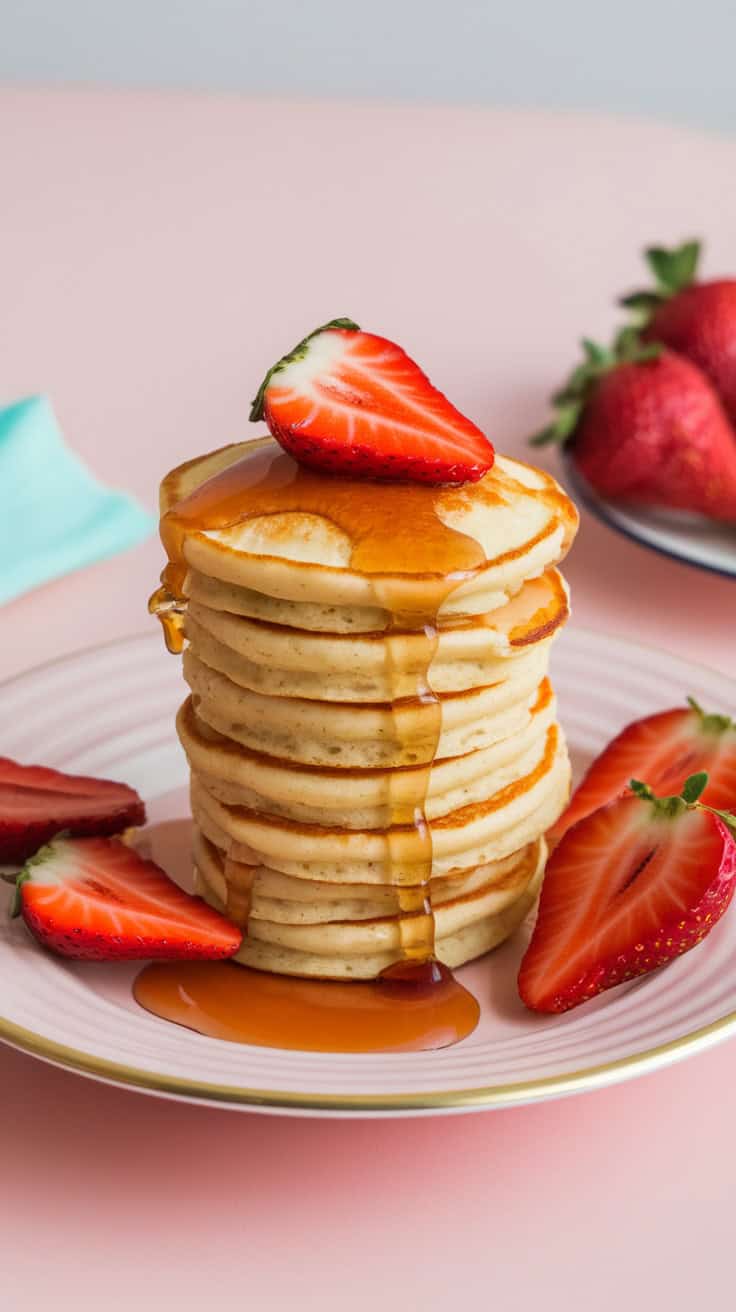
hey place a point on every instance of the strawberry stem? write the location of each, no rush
(692, 789)
(299, 351)
(727, 817)
(16, 906)
(673, 270)
(711, 722)
(688, 800)
(26, 873)
(571, 399)
(641, 790)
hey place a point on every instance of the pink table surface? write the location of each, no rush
(157, 252)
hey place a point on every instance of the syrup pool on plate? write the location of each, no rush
(428, 1009)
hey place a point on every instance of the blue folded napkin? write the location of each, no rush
(54, 515)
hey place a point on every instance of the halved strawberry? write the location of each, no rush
(95, 899)
(36, 803)
(348, 402)
(632, 886)
(663, 749)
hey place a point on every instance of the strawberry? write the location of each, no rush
(663, 748)
(646, 425)
(35, 803)
(629, 888)
(696, 319)
(348, 402)
(95, 899)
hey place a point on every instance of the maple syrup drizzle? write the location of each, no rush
(239, 880)
(395, 531)
(400, 544)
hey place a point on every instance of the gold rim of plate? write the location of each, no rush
(499, 1095)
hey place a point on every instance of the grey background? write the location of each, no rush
(656, 57)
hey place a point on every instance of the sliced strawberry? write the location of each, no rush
(95, 899)
(348, 402)
(663, 749)
(632, 886)
(36, 803)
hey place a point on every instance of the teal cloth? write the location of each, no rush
(54, 514)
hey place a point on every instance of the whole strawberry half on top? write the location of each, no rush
(349, 402)
(632, 886)
(645, 425)
(696, 319)
(664, 749)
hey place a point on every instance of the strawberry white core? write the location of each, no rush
(318, 361)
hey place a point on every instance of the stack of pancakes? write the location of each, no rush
(307, 742)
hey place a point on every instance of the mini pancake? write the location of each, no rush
(278, 897)
(367, 735)
(354, 799)
(519, 515)
(280, 660)
(478, 933)
(470, 836)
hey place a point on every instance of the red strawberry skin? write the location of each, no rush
(625, 892)
(700, 322)
(663, 749)
(655, 433)
(349, 402)
(96, 899)
(36, 803)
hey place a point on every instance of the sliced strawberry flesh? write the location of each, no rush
(356, 400)
(96, 898)
(37, 802)
(663, 749)
(625, 891)
(25, 804)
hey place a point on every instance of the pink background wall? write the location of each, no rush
(157, 253)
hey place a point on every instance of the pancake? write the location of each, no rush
(519, 515)
(353, 799)
(282, 660)
(283, 899)
(486, 831)
(469, 931)
(367, 734)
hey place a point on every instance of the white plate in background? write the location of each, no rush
(677, 534)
